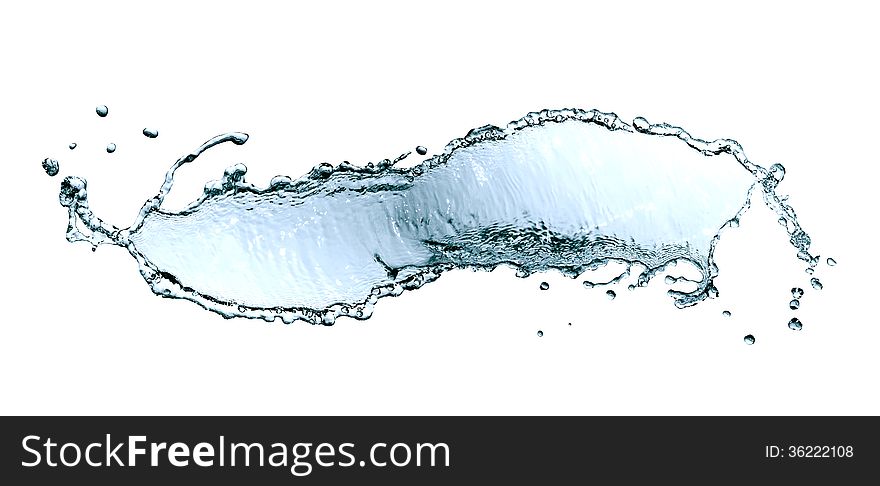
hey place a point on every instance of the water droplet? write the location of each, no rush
(794, 304)
(726, 313)
(588, 284)
(72, 146)
(151, 133)
(831, 262)
(797, 292)
(540, 333)
(421, 150)
(816, 283)
(111, 147)
(778, 172)
(670, 280)
(50, 166)
(809, 271)
(611, 294)
(545, 286)
(102, 110)
(749, 339)
(795, 324)
(569, 323)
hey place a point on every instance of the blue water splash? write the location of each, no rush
(567, 190)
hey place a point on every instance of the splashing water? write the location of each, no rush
(566, 190)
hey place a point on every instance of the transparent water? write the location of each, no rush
(565, 190)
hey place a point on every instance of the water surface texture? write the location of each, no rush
(566, 190)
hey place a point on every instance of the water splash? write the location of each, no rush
(567, 190)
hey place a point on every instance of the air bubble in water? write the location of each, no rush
(831, 262)
(421, 150)
(794, 304)
(72, 146)
(151, 133)
(50, 166)
(102, 110)
(611, 294)
(816, 283)
(544, 286)
(111, 147)
(795, 324)
(749, 339)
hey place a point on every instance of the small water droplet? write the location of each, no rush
(831, 262)
(778, 172)
(102, 110)
(111, 147)
(545, 286)
(794, 304)
(611, 294)
(151, 133)
(421, 150)
(749, 339)
(588, 284)
(797, 292)
(670, 280)
(72, 146)
(726, 313)
(569, 323)
(50, 166)
(809, 271)
(816, 283)
(795, 324)
(540, 333)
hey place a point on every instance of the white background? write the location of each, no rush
(362, 81)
